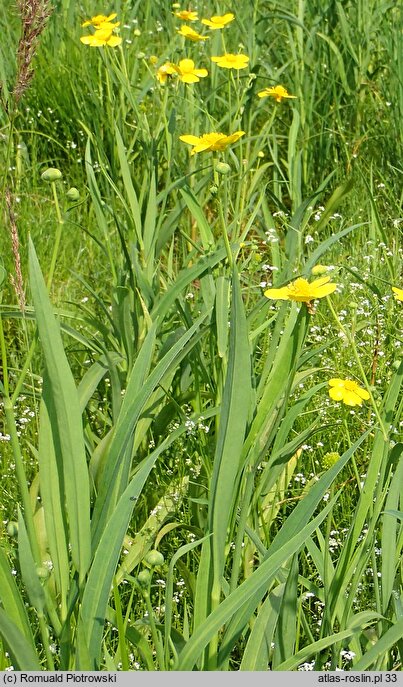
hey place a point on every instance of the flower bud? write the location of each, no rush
(154, 558)
(12, 528)
(319, 269)
(223, 168)
(143, 578)
(73, 193)
(43, 572)
(51, 174)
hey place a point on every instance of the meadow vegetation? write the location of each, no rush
(200, 335)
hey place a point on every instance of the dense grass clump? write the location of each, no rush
(200, 336)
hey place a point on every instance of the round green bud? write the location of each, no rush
(353, 305)
(319, 269)
(143, 578)
(51, 174)
(213, 189)
(12, 528)
(43, 572)
(154, 558)
(73, 193)
(223, 168)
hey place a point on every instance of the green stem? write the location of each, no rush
(223, 224)
(351, 342)
(59, 226)
(4, 357)
(45, 642)
(154, 632)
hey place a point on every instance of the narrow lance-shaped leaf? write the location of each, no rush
(231, 433)
(68, 423)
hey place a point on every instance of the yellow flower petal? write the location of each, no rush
(278, 294)
(336, 393)
(277, 92)
(231, 61)
(398, 293)
(114, 41)
(218, 22)
(188, 138)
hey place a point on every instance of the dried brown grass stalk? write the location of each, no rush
(16, 281)
(34, 15)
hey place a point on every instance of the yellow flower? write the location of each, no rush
(190, 33)
(277, 92)
(218, 22)
(166, 71)
(302, 291)
(398, 293)
(103, 36)
(187, 15)
(210, 141)
(230, 61)
(188, 73)
(100, 20)
(347, 391)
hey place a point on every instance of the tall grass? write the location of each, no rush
(178, 490)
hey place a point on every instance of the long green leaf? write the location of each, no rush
(258, 647)
(231, 433)
(381, 647)
(21, 650)
(50, 472)
(137, 395)
(29, 574)
(68, 431)
(12, 602)
(253, 588)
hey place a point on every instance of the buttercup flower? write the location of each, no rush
(230, 61)
(347, 391)
(218, 22)
(103, 36)
(398, 293)
(191, 34)
(276, 92)
(211, 141)
(101, 20)
(302, 291)
(165, 71)
(187, 15)
(188, 73)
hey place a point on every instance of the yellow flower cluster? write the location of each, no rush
(103, 34)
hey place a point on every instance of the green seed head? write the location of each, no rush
(143, 578)
(12, 528)
(51, 174)
(223, 168)
(319, 269)
(154, 558)
(43, 572)
(73, 193)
